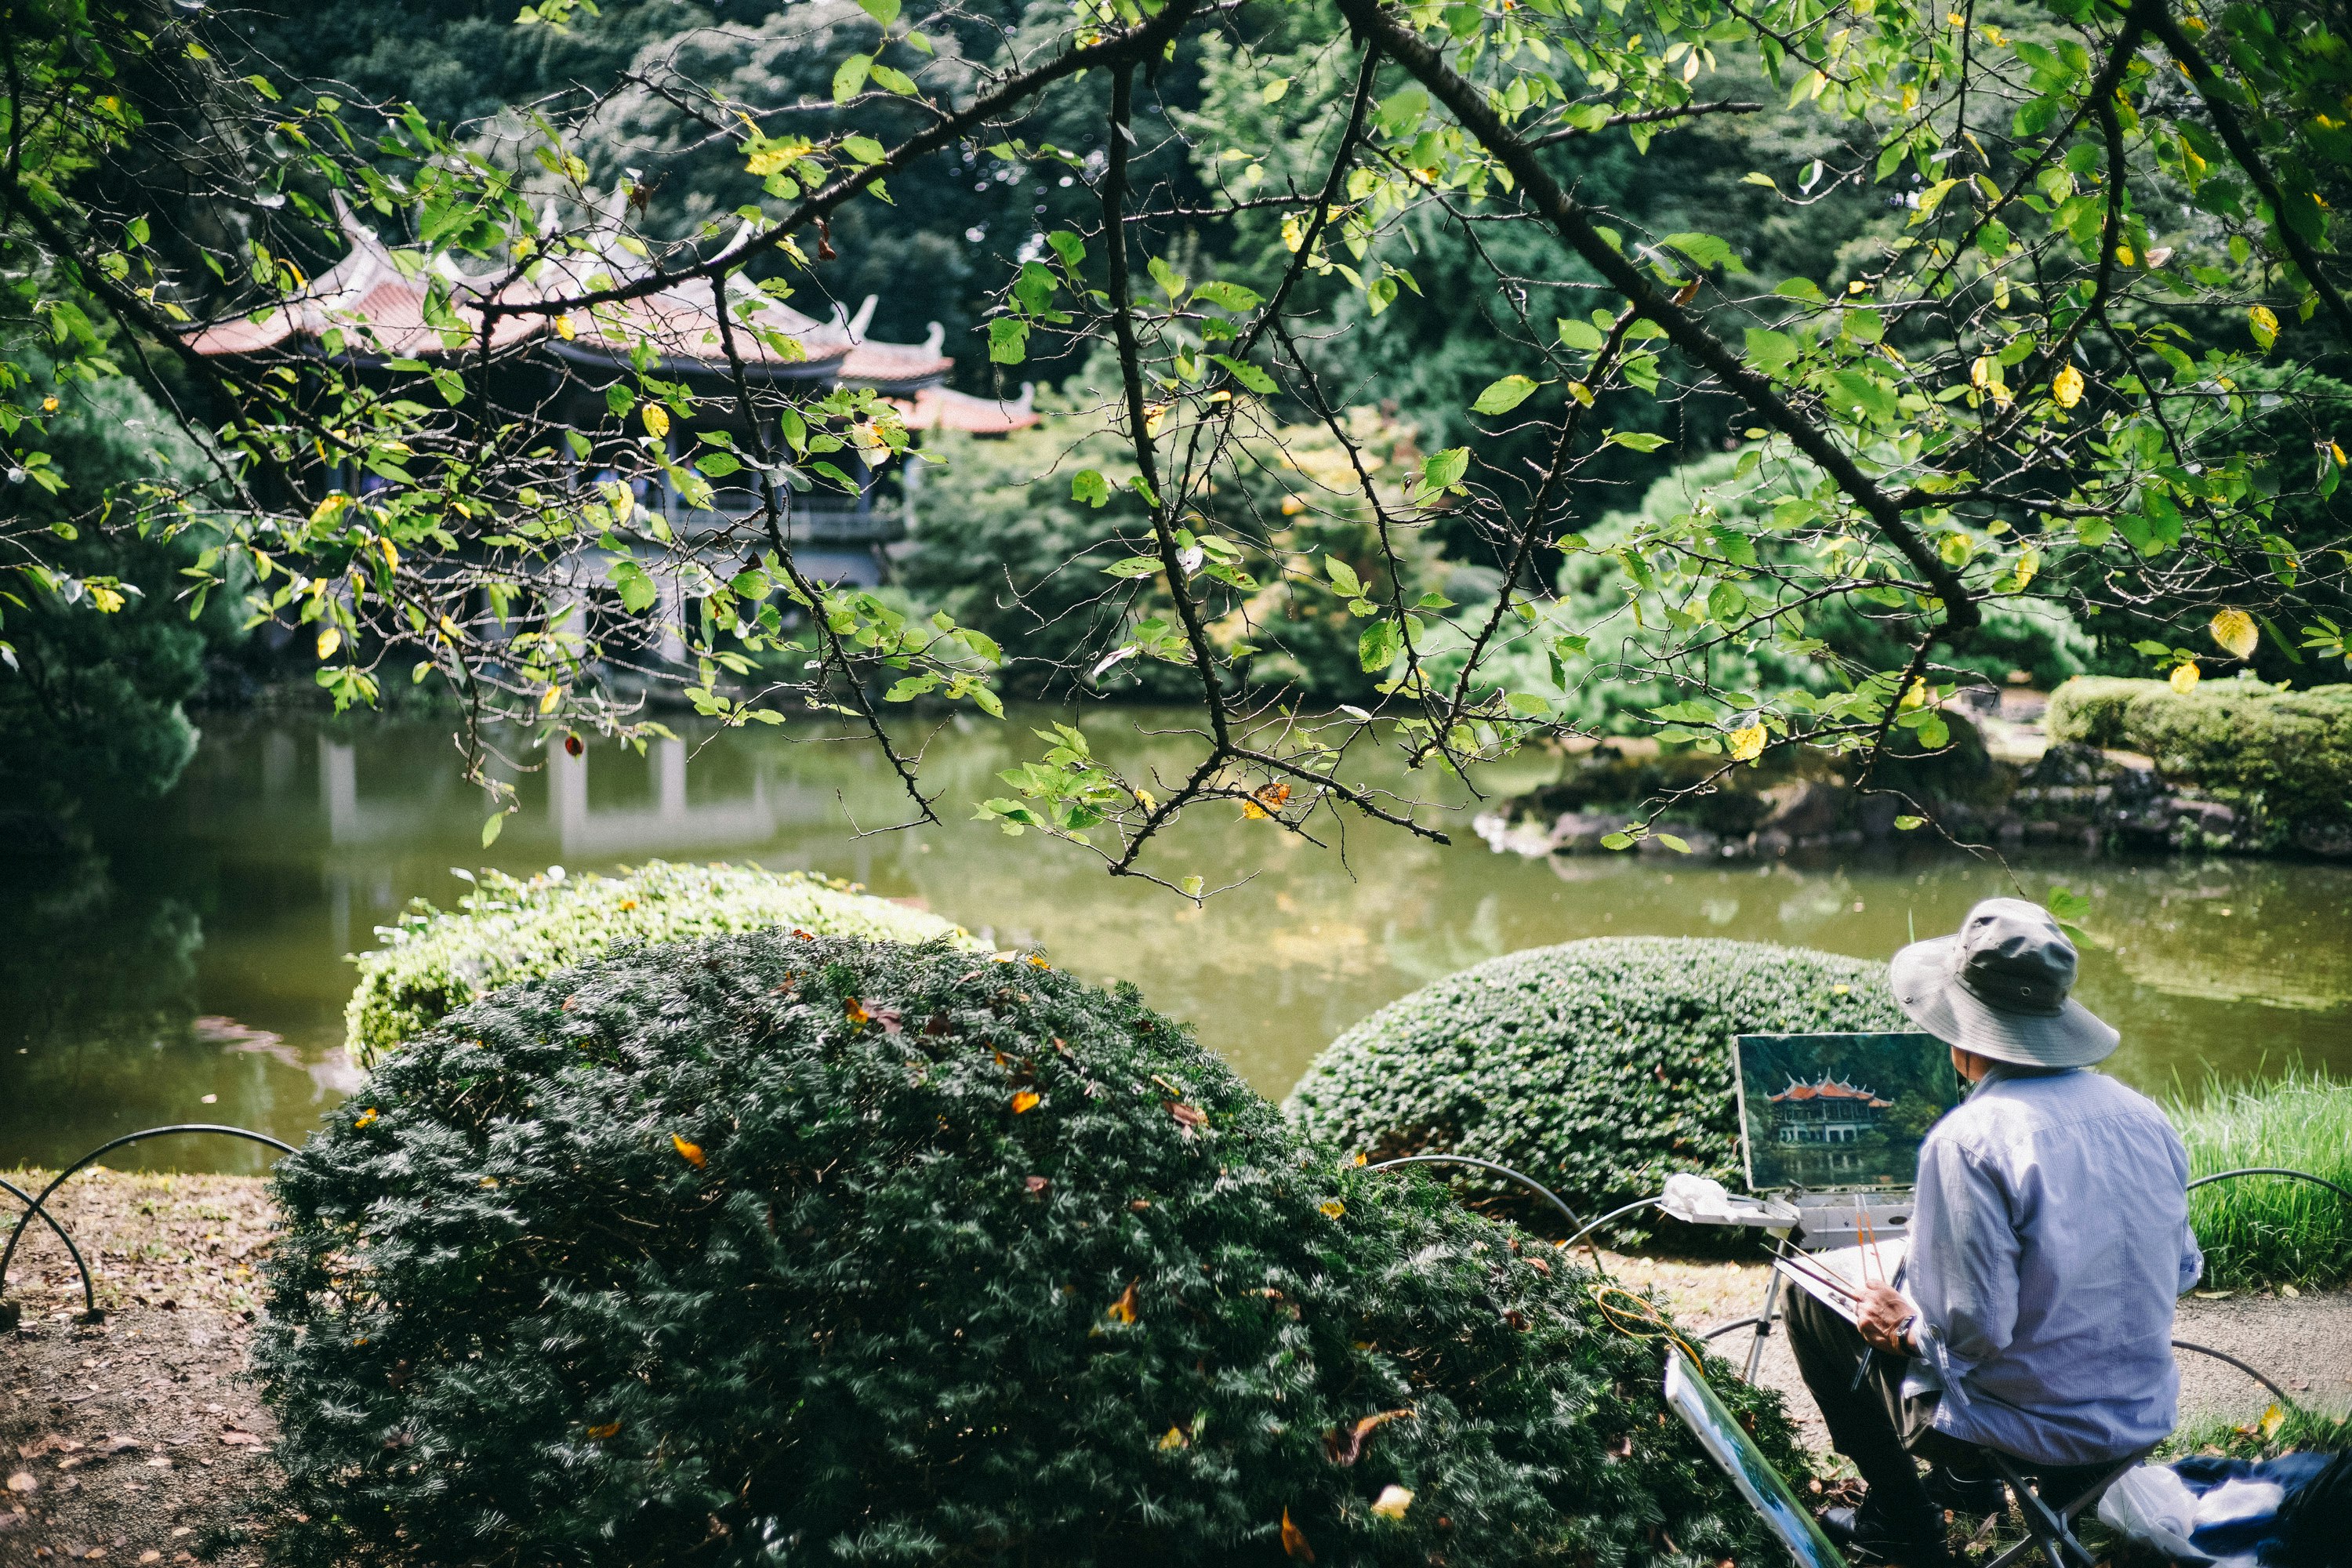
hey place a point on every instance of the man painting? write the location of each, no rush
(2049, 1241)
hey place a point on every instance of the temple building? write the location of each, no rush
(367, 311)
(1828, 1110)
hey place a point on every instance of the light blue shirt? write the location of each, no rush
(2049, 1242)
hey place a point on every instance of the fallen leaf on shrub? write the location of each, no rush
(1139, 1205)
(1393, 1501)
(1348, 1449)
(609, 1429)
(366, 1118)
(940, 1023)
(2273, 1420)
(1294, 1540)
(690, 1152)
(1025, 1101)
(1038, 963)
(856, 1011)
(1538, 1265)
(1517, 1318)
(1190, 1115)
(1123, 1310)
(1173, 1441)
(1333, 1209)
(890, 1018)
(1035, 1184)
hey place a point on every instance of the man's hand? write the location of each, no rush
(1884, 1317)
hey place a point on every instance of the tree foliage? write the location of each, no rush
(2031, 313)
(770, 1249)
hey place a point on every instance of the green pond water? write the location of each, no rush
(187, 963)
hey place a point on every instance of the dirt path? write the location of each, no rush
(2302, 1341)
(137, 1439)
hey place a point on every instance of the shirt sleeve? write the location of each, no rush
(2192, 1257)
(1963, 1281)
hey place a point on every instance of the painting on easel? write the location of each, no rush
(1838, 1113)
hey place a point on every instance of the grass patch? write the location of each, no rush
(2265, 1230)
(2281, 1430)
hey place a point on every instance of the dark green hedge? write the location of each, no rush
(2287, 751)
(757, 1250)
(1598, 1067)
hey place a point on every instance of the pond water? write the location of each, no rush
(187, 963)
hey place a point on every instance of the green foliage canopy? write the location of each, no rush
(770, 1249)
(1999, 328)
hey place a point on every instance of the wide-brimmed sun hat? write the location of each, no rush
(1998, 986)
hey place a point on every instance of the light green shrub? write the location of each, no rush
(1598, 1067)
(434, 962)
(2288, 751)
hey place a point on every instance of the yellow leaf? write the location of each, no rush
(691, 1152)
(1333, 1209)
(565, 330)
(1252, 810)
(451, 630)
(1294, 1540)
(1123, 1310)
(2124, 255)
(2185, 676)
(366, 1118)
(549, 698)
(856, 1012)
(1393, 1501)
(2265, 324)
(1173, 1441)
(2335, 452)
(105, 600)
(2273, 1420)
(1916, 695)
(391, 554)
(657, 420)
(609, 1429)
(1026, 1100)
(2234, 630)
(329, 641)
(2028, 562)
(2066, 386)
(1747, 744)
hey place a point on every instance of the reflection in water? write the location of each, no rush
(201, 951)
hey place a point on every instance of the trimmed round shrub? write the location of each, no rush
(766, 1250)
(434, 962)
(1598, 1067)
(2287, 751)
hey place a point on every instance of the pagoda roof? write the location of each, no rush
(944, 408)
(1826, 1088)
(381, 305)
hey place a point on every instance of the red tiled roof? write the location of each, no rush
(1825, 1089)
(944, 408)
(380, 309)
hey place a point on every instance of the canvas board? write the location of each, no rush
(1838, 1113)
(1728, 1443)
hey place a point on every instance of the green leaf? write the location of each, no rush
(1906, 822)
(1343, 576)
(1580, 334)
(1272, 92)
(1679, 845)
(490, 829)
(1617, 841)
(1380, 646)
(895, 81)
(865, 149)
(1248, 374)
(1088, 486)
(1133, 566)
(849, 80)
(1705, 248)
(885, 11)
(1224, 296)
(1502, 396)
(1068, 247)
(636, 585)
(1639, 440)
(1008, 340)
(1441, 472)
